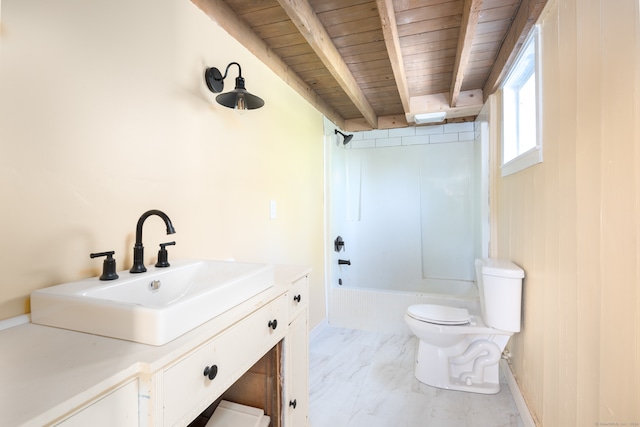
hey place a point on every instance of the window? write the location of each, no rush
(521, 139)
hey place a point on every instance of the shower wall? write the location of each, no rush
(407, 204)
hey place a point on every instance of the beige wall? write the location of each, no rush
(573, 222)
(104, 114)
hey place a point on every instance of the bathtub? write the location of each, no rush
(378, 310)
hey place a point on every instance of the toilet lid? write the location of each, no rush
(439, 314)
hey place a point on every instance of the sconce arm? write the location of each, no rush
(226, 71)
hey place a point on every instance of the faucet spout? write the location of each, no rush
(138, 248)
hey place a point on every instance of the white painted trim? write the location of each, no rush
(518, 398)
(534, 155)
(523, 161)
(318, 329)
(14, 321)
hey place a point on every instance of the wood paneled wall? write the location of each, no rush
(573, 221)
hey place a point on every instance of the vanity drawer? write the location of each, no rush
(188, 389)
(298, 297)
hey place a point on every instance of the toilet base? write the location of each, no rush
(469, 366)
(455, 384)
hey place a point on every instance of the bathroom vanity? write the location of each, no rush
(255, 353)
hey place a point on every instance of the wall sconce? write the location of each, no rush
(238, 98)
(347, 138)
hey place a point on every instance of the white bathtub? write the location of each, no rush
(383, 310)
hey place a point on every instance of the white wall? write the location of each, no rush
(406, 203)
(104, 114)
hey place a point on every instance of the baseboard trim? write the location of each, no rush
(518, 398)
(14, 321)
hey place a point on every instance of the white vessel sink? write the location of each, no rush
(153, 307)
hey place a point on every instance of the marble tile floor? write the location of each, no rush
(365, 379)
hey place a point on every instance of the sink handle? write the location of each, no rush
(211, 371)
(108, 266)
(163, 255)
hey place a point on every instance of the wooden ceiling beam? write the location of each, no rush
(392, 41)
(384, 122)
(526, 17)
(224, 16)
(470, 16)
(309, 25)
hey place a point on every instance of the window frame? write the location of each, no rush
(532, 156)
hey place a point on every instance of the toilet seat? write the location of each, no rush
(439, 314)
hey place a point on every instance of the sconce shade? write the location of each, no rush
(239, 98)
(347, 138)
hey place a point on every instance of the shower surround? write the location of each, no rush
(409, 205)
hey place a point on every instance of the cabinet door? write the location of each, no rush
(194, 382)
(118, 408)
(297, 373)
(298, 297)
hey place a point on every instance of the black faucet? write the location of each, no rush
(138, 248)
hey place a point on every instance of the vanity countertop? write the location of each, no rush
(46, 372)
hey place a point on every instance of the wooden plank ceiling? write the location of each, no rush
(375, 64)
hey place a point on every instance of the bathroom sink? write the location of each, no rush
(153, 307)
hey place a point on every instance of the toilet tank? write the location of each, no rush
(500, 289)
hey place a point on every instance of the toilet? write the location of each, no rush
(459, 349)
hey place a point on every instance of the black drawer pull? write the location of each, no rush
(293, 403)
(273, 324)
(211, 371)
(297, 298)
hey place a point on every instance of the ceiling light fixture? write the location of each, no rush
(347, 138)
(238, 98)
(435, 117)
